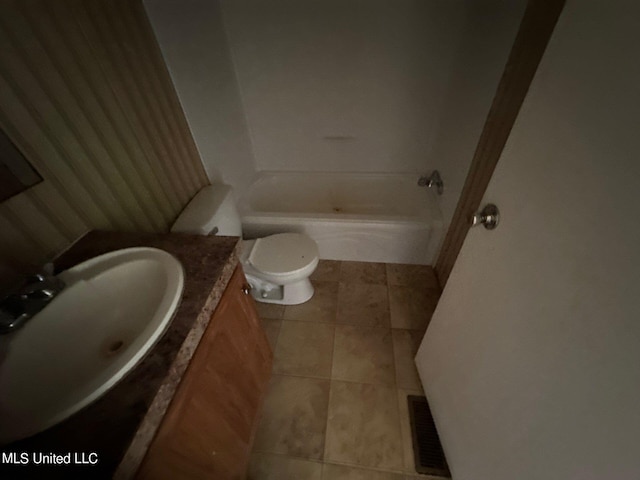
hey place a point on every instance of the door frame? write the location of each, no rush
(536, 28)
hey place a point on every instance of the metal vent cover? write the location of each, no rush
(427, 450)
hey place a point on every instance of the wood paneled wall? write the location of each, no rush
(85, 94)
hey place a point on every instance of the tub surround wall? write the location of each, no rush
(333, 86)
(123, 422)
(343, 86)
(85, 94)
(194, 46)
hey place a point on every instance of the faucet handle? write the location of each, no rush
(41, 286)
(39, 294)
(35, 278)
(432, 180)
(45, 273)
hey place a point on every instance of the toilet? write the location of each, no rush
(277, 267)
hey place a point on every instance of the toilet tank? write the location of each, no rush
(212, 207)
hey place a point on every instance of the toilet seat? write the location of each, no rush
(283, 254)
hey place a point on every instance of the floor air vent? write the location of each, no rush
(427, 451)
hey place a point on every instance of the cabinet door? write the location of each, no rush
(209, 427)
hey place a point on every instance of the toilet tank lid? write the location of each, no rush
(199, 216)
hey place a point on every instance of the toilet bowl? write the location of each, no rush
(277, 266)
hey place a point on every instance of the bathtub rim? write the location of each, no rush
(280, 217)
(432, 214)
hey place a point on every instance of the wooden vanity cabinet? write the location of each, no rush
(208, 429)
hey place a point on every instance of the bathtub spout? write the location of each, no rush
(433, 180)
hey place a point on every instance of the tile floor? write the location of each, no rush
(343, 366)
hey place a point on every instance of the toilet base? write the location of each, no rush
(290, 294)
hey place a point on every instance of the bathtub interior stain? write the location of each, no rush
(360, 216)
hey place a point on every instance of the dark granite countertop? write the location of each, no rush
(121, 424)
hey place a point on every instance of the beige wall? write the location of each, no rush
(351, 86)
(481, 54)
(85, 95)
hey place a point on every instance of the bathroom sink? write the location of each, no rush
(112, 311)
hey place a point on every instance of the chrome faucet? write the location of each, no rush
(35, 293)
(433, 180)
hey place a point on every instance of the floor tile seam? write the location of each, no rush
(351, 282)
(275, 346)
(378, 384)
(287, 455)
(389, 305)
(333, 351)
(403, 473)
(326, 426)
(398, 284)
(307, 321)
(395, 360)
(326, 421)
(363, 467)
(331, 356)
(340, 463)
(386, 272)
(340, 273)
(324, 280)
(262, 317)
(360, 325)
(367, 467)
(394, 385)
(407, 329)
(312, 377)
(421, 330)
(365, 326)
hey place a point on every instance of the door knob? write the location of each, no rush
(246, 289)
(489, 216)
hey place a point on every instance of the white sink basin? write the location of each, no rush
(112, 311)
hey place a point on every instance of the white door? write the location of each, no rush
(531, 362)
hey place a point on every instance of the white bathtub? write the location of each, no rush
(365, 217)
